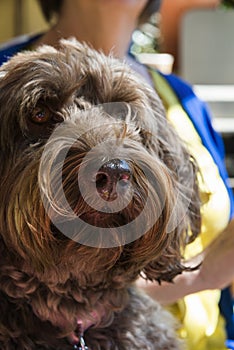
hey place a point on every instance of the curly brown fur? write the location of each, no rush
(49, 281)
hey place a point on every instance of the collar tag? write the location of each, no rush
(81, 345)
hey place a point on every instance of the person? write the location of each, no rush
(107, 25)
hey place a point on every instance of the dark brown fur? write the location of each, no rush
(48, 281)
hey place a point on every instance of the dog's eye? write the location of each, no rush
(41, 115)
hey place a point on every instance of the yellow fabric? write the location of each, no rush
(202, 325)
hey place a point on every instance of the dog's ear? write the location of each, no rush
(181, 222)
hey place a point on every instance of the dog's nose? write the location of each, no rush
(113, 179)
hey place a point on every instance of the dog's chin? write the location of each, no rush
(103, 219)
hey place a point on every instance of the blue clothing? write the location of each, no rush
(16, 45)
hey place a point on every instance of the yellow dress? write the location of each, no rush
(202, 326)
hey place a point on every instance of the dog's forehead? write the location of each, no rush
(40, 59)
(67, 63)
(74, 75)
(43, 70)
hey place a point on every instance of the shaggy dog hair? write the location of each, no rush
(62, 112)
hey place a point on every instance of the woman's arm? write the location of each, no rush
(216, 272)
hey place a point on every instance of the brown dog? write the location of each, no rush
(96, 190)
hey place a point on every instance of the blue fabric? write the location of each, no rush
(230, 344)
(11, 48)
(226, 309)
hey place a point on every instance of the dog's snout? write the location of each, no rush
(113, 179)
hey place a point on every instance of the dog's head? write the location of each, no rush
(93, 178)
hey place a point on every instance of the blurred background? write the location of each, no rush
(192, 38)
(19, 17)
